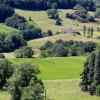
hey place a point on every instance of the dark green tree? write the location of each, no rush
(6, 71)
(25, 84)
(84, 30)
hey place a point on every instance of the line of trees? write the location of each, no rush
(89, 32)
(66, 48)
(46, 4)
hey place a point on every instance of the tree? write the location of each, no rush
(24, 52)
(88, 32)
(49, 33)
(58, 22)
(5, 12)
(60, 51)
(25, 84)
(6, 71)
(53, 13)
(92, 32)
(54, 6)
(91, 73)
(84, 30)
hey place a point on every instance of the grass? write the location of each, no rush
(57, 68)
(7, 30)
(60, 76)
(66, 90)
(37, 43)
(60, 90)
(42, 20)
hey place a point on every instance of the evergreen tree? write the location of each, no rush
(91, 75)
(84, 30)
(92, 32)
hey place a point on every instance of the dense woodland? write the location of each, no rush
(45, 4)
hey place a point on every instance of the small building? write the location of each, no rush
(68, 31)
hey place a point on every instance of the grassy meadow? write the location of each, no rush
(56, 68)
(41, 19)
(61, 77)
(37, 43)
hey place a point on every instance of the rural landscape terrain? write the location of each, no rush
(49, 49)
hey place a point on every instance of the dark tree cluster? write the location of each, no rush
(5, 12)
(81, 15)
(11, 42)
(16, 21)
(46, 4)
(24, 52)
(66, 48)
(21, 81)
(91, 75)
(33, 33)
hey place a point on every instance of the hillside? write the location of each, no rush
(41, 19)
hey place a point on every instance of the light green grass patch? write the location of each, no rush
(57, 68)
(7, 30)
(66, 90)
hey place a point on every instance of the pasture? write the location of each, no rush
(56, 68)
(41, 19)
(37, 43)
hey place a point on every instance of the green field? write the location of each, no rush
(57, 68)
(60, 76)
(7, 30)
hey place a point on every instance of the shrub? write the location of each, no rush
(2, 55)
(24, 52)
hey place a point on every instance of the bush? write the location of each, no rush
(53, 13)
(31, 34)
(49, 33)
(24, 52)
(2, 55)
(58, 22)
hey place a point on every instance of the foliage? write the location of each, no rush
(97, 14)
(90, 75)
(25, 85)
(62, 48)
(10, 42)
(15, 21)
(6, 71)
(2, 55)
(24, 52)
(5, 11)
(53, 13)
(81, 15)
(45, 4)
(31, 33)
